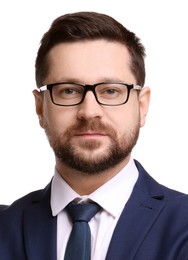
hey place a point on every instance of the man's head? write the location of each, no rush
(86, 49)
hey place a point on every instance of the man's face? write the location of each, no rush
(90, 137)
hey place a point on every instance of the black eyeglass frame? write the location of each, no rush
(89, 87)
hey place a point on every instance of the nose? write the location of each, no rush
(89, 108)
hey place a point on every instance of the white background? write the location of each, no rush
(26, 160)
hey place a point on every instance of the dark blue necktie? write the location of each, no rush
(79, 243)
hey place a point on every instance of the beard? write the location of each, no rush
(84, 158)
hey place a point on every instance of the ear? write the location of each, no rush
(39, 106)
(144, 100)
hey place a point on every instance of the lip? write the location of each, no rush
(90, 134)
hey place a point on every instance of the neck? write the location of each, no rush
(85, 184)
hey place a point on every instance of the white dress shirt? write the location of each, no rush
(112, 197)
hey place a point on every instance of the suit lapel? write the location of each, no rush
(40, 229)
(137, 218)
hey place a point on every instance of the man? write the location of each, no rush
(91, 103)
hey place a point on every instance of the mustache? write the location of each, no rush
(93, 125)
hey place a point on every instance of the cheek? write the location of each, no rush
(59, 119)
(125, 119)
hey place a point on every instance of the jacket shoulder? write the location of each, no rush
(20, 204)
(150, 186)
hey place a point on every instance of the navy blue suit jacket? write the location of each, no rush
(153, 226)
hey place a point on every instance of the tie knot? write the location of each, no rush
(82, 212)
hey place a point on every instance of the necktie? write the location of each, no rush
(79, 243)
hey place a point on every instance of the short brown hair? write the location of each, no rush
(81, 26)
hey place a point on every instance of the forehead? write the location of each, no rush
(89, 60)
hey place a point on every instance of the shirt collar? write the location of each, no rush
(112, 196)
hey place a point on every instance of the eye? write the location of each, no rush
(67, 94)
(67, 90)
(110, 91)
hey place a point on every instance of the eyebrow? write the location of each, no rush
(76, 80)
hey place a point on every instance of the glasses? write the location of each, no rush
(107, 94)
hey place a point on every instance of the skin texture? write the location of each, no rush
(89, 128)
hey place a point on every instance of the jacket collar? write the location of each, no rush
(40, 228)
(148, 185)
(139, 214)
